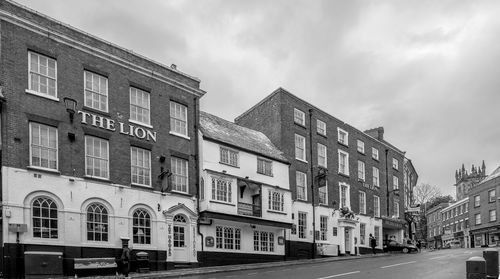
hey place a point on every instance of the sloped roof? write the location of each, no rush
(494, 174)
(221, 130)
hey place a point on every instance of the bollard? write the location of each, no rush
(475, 268)
(490, 255)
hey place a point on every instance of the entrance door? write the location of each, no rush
(347, 241)
(181, 238)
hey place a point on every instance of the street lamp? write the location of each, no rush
(70, 107)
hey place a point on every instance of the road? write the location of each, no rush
(442, 264)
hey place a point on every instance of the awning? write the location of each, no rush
(392, 223)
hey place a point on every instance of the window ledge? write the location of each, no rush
(141, 186)
(227, 164)
(343, 174)
(362, 153)
(300, 125)
(101, 179)
(140, 123)
(222, 202)
(35, 168)
(179, 135)
(320, 134)
(277, 212)
(375, 159)
(300, 160)
(343, 144)
(180, 193)
(96, 110)
(32, 92)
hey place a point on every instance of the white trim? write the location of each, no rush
(340, 130)
(303, 146)
(348, 195)
(179, 135)
(302, 116)
(140, 123)
(325, 149)
(56, 170)
(32, 92)
(346, 162)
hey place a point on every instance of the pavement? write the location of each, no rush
(175, 273)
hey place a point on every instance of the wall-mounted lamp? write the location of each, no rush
(252, 226)
(70, 107)
(162, 159)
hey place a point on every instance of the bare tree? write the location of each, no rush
(424, 193)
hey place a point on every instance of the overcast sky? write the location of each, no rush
(427, 71)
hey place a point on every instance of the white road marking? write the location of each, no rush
(392, 265)
(439, 257)
(338, 275)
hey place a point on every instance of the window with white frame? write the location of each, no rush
(361, 170)
(178, 119)
(97, 222)
(477, 216)
(229, 156)
(301, 180)
(493, 215)
(377, 234)
(374, 153)
(141, 226)
(343, 136)
(300, 147)
(477, 201)
(139, 106)
(323, 194)
(42, 77)
(43, 146)
(96, 157)
(321, 127)
(491, 195)
(179, 174)
(264, 167)
(395, 182)
(343, 162)
(376, 180)
(140, 162)
(344, 195)
(227, 238)
(96, 91)
(276, 201)
(395, 163)
(361, 147)
(467, 207)
(263, 241)
(302, 225)
(362, 233)
(322, 159)
(362, 202)
(299, 117)
(323, 227)
(396, 208)
(45, 221)
(221, 190)
(376, 206)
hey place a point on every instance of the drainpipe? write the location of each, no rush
(312, 183)
(197, 168)
(387, 180)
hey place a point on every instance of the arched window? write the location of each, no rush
(44, 218)
(141, 227)
(97, 222)
(179, 218)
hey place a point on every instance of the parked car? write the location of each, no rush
(396, 246)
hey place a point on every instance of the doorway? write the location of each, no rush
(181, 238)
(347, 241)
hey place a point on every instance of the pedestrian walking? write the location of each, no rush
(373, 244)
(125, 260)
(419, 245)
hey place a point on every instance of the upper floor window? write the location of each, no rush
(376, 206)
(344, 195)
(362, 202)
(96, 157)
(42, 77)
(491, 195)
(395, 182)
(96, 91)
(361, 170)
(466, 207)
(477, 201)
(139, 106)
(97, 222)
(478, 218)
(343, 136)
(300, 147)
(141, 227)
(301, 181)
(221, 190)
(179, 174)
(343, 162)
(264, 167)
(44, 213)
(178, 119)
(395, 163)
(140, 164)
(493, 215)
(321, 127)
(229, 156)
(374, 153)
(376, 179)
(323, 194)
(396, 208)
(299, 117)
(276, 201)
(361, 147)
(322, 158)
(43, 146)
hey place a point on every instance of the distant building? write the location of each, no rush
(483, 210)
(435, 225)
(456, 226)
(466, 180)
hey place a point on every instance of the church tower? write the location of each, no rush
(466, 180)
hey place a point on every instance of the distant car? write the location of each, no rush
(396, 246)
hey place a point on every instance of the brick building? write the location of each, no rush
(455, 219)
(245, 200)
(98, 146)
(412, 211)
(336, 166)
(483, 209)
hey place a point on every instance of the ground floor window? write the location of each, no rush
(323, 224)
(228, 238)
(263, 241)
(362, 233)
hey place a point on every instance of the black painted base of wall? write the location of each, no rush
(296, 250)
(14, 257)
(366, 250)
(224, 258)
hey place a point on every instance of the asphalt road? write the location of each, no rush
(442, 264)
